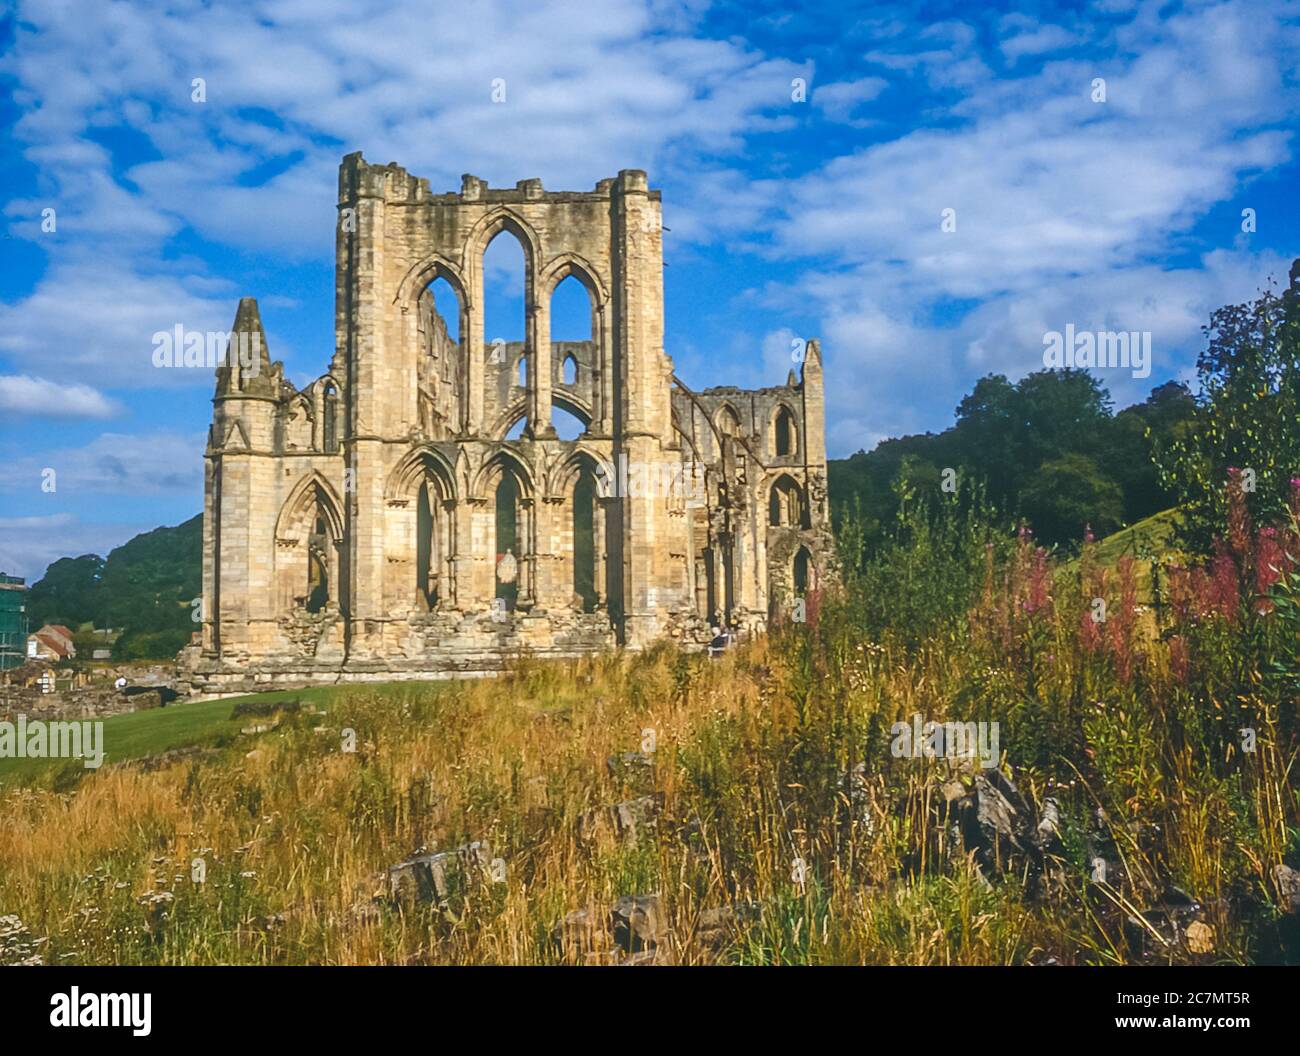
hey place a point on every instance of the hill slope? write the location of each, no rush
(145, 587)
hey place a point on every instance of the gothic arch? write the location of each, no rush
(784, 431)
(787, 503)
(727, 421)
(803, 572)
(564, 475)
(312, 491)
(411, 471)
(491, 225)
(560, 268)
(501, 459)
(308, 565)
(518, 411)
(299, 424)
(425, 273)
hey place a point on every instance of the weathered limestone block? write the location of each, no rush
(434, 877)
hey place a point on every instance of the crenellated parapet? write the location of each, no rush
(412, 512)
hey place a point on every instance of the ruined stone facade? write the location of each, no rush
(379, 524)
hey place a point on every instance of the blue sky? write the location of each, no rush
(789, 218)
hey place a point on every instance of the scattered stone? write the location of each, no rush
(639, 922)
(993, 820)
(953, 790)
(150, 763)
(1165, 922)
(1288, 886)
(628, 820)
(433, 877)
(582, 932)
(634, 931)
(716, 928)
(145, 699)
(1200, 937)
(1049, 824)
(631, 767)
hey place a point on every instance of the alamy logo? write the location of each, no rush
(1086, 349)
(947, 740)
(53, 740)
(76, 1009)
(209, 349)
(684, 480)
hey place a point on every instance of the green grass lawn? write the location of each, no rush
(144, 733)
(1152, 536)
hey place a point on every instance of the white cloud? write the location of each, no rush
(621, 86)
(1026, 36)
(28, 545)
(1066, 211)
(21, 394)
(163, 463)
(1056, 197)
(840, 100)
(88, 321)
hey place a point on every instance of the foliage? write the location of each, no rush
(145, 588)
(1013, 440)
(1067, 495)
(921, 578)
(1247, 416)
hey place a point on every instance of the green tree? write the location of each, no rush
(1067, 494)
(145, 588)
(67, 593)
(1247, 416)
(1129, 442)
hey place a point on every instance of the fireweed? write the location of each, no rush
(776, 752)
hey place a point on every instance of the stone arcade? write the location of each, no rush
(379, 524)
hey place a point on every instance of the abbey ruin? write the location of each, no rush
(413, 514)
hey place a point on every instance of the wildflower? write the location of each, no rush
(1179, 660)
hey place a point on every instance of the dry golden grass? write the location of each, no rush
(750, 765)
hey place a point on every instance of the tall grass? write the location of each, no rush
(776, 753)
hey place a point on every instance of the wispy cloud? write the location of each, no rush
(22, 395)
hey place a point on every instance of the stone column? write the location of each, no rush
(538, 350)
(600, 558)
(472, 341)
(602, 392)
(451, 559)
(525, 535)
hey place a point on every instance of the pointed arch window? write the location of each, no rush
(785, 439)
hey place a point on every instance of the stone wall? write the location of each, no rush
(354, 530)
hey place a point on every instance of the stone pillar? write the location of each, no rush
(603, 391)
(538, 350)
(652, 589)
(600, 555)
(478, 554)
(371, 378)
(472, 342)
(526, 535)
(452, 562)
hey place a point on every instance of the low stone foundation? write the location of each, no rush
(433, 647)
